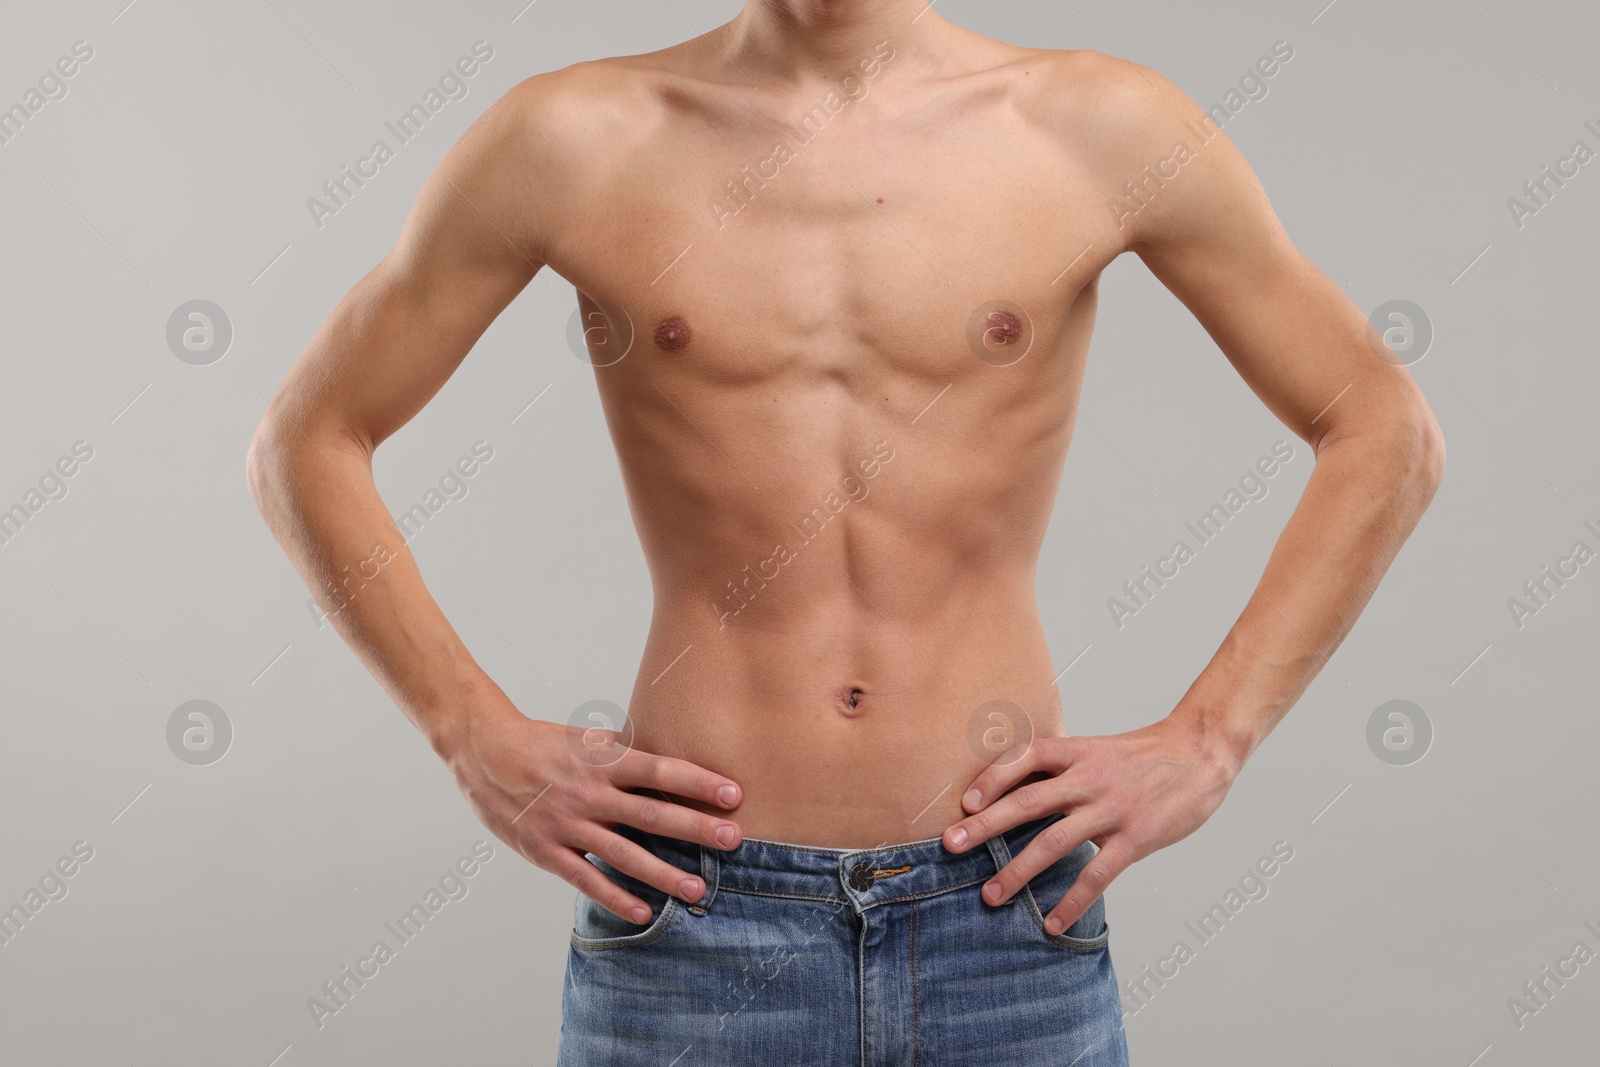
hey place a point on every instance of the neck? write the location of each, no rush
(795, 40)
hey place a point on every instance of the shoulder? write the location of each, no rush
(1130, 133)
(549, 149)
(583, 109)
(1107, 104)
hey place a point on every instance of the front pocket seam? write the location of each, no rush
(1076, 944)
(643, 937)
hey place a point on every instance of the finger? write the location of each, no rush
(669, 820)
(1048, 845)
(592, 882)
(1012, 766)
(676, 776)
(630, 859)
(1091, 882)
(1032, 801)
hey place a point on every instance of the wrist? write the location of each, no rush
(1225, 740)
(448, 724)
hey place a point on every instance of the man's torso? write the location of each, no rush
(841, 377)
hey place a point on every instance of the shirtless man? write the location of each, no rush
(844, 252)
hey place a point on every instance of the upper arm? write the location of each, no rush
(469, 245)
(1204, 227)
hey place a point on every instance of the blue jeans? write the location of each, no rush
(875, 957)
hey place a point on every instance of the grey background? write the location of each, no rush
(219, 898)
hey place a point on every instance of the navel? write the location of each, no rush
(673, 333)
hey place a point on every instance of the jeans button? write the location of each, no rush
(861, 877)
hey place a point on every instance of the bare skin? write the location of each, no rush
(897, 312)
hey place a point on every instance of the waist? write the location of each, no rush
(967, 649)
(817, 776)
(851, 737)
(861, 877)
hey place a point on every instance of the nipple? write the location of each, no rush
(673, 333)
(999, 333)
(1004, 328)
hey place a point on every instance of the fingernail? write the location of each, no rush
(972, 799)
(958, 837)
(991, 892)
(728, 795)
(1054, 925)
(689, 890)
(641, 915)
(725, 836)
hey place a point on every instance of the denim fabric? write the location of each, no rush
(878, 958)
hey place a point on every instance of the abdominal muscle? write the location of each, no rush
(844, 728)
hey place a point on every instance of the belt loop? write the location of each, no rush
(999, 851)
(709, 869)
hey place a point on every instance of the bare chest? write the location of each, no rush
(837, 245)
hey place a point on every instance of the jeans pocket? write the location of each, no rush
(596, 929)
(1090, 932)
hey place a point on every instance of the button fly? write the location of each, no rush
(861, 877)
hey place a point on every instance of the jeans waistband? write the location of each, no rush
(860, 878)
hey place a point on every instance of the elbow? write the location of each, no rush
(1436, 460)
(1417, 445)
(263, 460)
(1426, 449)
(284, 455)
(1408, 448)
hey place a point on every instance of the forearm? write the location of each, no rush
(318, 498)
(1364, 497)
